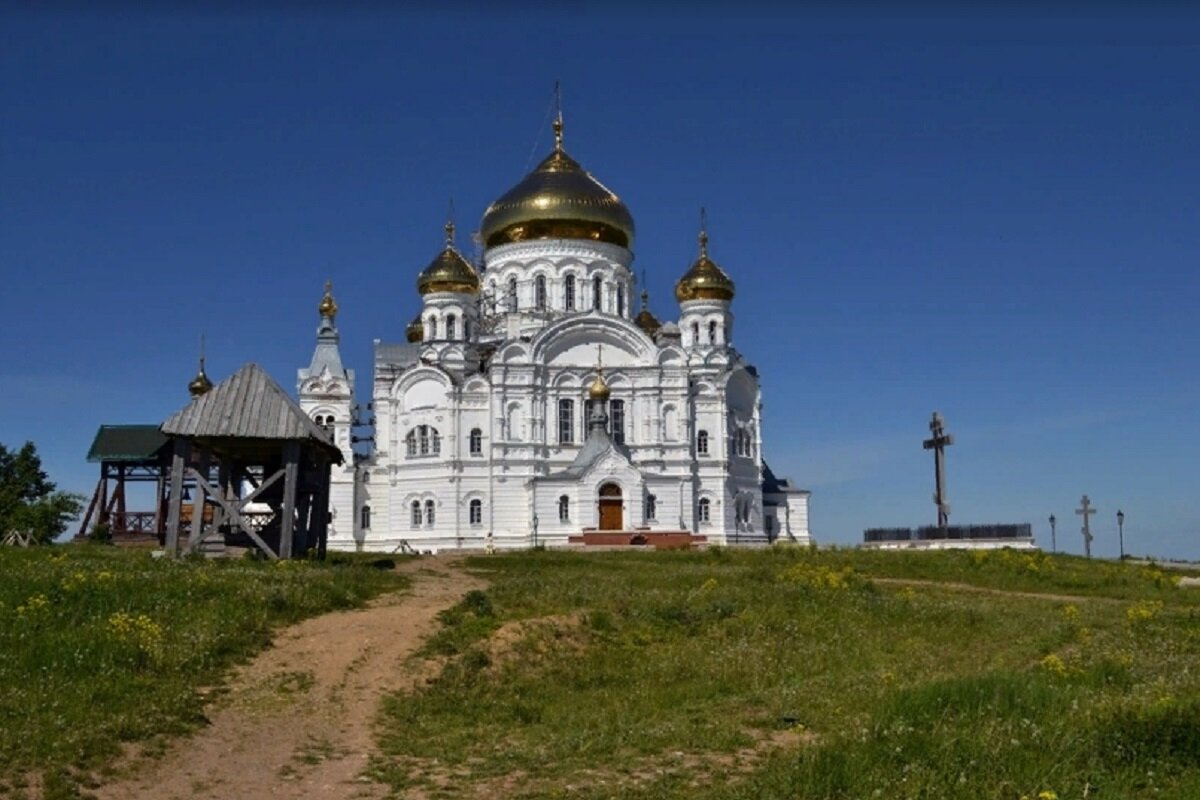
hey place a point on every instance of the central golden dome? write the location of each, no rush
(558, 200)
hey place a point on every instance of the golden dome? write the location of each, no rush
(449, 272)
(328, 307)
(645, 320)
(415, 332)
(200, 384)
(705, 280)
(558, 200)
(599, 389)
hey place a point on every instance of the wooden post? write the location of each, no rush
(320, 513)
(103, 517)
(175, 501)
(198, 503)
(121, 524)
(291, 467)
(160, 517)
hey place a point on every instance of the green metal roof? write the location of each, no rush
(127, 443)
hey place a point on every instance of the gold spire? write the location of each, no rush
(599, 390)
(200, 384)
(328, 307)
(558, 119)
(705, 280)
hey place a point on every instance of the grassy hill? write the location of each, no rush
(795, 673)
(782, 673)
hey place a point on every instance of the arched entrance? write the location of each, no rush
(610, 508)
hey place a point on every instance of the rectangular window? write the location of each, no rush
(651, 507)
(616, 420)
(476, 509)
(566, 421)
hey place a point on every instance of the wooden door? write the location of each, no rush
(610, 515)
(610, 508)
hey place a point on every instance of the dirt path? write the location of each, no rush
(967, 587)
(296, 722)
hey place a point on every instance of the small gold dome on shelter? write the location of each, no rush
(200, 384)
(705, 280)
(449, 272)
(558, 200)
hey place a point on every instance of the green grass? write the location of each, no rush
(102, 645)
(673, 674)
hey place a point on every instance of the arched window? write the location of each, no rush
(704, 513)
(702, 443)
(564, 509)
(616, 420)
(476, 442)
(566, 421)
(539, 292)
(712, 331)
(450, 326)
(365, 518)
(415, 520)
(466, 329)
(695, 334)
(569, 293)
(651, 507)
(620, 301)
(432, 327)
(512, 294)
(428, 513)
(423, 439)
(597, 287)
(475, 513)
(410, 443)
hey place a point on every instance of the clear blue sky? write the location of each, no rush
(993, 214)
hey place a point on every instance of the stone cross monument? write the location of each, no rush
(938, 444)
(1085, 510)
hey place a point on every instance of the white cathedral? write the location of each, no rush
(531, 404)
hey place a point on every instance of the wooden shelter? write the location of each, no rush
(128, 454)
(247, 432)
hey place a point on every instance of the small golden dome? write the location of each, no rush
(415, 332)
(328, 307)
(449, 272)
(646, 320)
(599, 389)
(705, 280)
(558, 200)
(200, 384)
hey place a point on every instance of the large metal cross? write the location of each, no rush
(1085, 510)
(938, 444)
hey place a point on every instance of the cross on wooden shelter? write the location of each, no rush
(1085, 510)
(938, 444)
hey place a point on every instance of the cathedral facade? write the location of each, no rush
(531, 404)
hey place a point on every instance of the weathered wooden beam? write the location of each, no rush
(291, 466)
(234, 508)
(175, 501)
(87, 516)
(198, 502)
(321, 508)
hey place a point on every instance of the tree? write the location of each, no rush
(29, 501)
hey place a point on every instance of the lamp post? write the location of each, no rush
(1121, 531)
(1053, 543)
